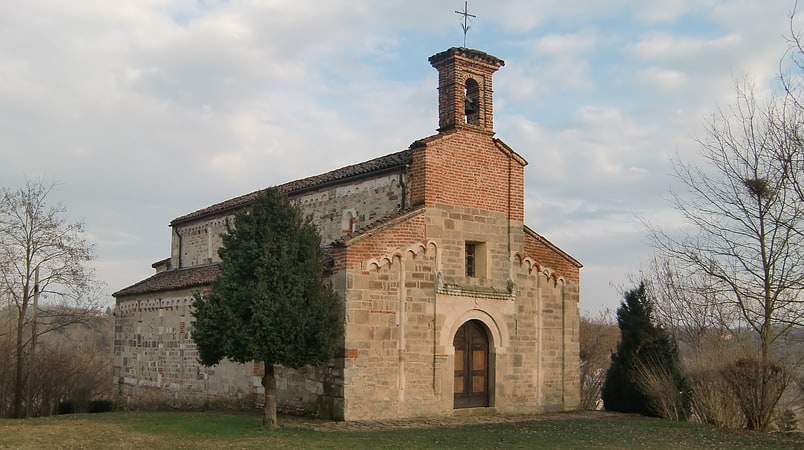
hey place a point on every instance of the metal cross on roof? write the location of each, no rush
(466, 16)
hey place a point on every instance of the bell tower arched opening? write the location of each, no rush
(472, 102)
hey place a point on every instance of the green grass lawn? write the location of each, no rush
(227, 430)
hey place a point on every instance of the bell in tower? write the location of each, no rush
(471, 101)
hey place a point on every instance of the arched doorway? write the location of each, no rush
(471, 365)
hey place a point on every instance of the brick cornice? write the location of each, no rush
(466, 53)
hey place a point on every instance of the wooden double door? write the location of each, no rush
(471, 365)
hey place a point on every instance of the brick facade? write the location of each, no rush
(401, 230)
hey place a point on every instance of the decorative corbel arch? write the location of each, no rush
(534, 266)
(372, 264)
(551, 276)
(414, 250)
(527, 261)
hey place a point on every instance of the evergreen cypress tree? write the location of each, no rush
(641, 343)
(270, 302)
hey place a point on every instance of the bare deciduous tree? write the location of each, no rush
(687, 302)
(745, 215)
(42, 255)
(598, 339)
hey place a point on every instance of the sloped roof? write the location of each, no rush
(173, 279)
(373, 166)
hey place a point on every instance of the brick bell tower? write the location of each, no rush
(464, 88)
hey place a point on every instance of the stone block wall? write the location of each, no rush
(551, 299)
(335, 210)
(454, 226)
(197, 243)
(389, 341)
(399, 355)
(156, 361)
(156, 366)
(365, 201)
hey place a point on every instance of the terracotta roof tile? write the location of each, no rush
(293, 187)
(173, 279)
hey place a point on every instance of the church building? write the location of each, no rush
(451, 301)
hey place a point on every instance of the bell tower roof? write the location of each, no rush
(465, 88)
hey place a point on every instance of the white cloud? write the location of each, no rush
(566, 45)
(662, 79)
(667, 47)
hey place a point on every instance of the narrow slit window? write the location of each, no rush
(471, 253)
(349, 221)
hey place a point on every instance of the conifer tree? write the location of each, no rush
(642, 344)
(270, 302)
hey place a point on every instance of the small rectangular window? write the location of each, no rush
(470, 259)
(476, 256)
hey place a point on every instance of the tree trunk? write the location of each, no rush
(269, 385)
(19, 360)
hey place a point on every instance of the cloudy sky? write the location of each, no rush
(144, 110)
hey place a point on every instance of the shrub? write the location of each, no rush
(787, 421)
(65, 407)
(666, 392)
(98, 406)
(713, 402)
(70, 366)
(758, 388)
